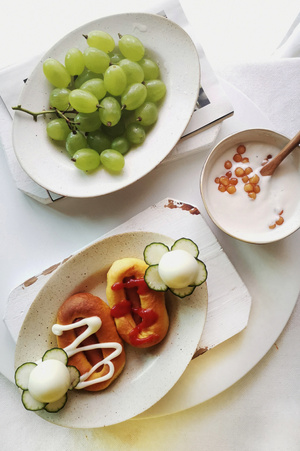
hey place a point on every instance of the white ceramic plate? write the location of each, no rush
(48, 164)
(149, 373)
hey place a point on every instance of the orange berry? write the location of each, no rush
(239, 172)
(228, 174)
(241, 149)
(245, 160)
(224, 180)
(252, 195)
(222, 188)
(237, 157)
(254, 179)
(217, 179)
(248, 170)
(272, 226)
(233, 181)
(245, 179)
(256, 188)
(280, 220)
(248, 187)
(231, 189)
(227, 164)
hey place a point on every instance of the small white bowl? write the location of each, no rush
(274, 213)
(47, 163)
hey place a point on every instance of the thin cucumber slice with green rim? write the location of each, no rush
(30, 403)
(182, 292)
(185, 244)
(202, 273)
(56, 354)
(55, 406)
(153, 279)
(22, 374)
(153, 253)
(74, 376)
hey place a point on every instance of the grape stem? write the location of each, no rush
(53, 110)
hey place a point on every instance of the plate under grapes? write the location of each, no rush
(46, 160)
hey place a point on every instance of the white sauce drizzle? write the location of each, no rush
(93, 324)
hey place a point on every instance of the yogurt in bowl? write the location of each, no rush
(243, 203)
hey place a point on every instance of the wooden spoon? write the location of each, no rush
(270, 167)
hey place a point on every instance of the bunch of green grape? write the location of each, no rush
(106, 99)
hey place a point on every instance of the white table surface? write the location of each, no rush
(262, 410)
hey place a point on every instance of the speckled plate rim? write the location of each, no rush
(251, 135)
(148, 374)
(180, 70)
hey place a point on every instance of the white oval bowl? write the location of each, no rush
(47, 163)
(235, 218)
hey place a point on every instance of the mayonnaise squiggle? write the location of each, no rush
(93, 325)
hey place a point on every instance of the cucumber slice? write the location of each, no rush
(22, 374)
(56, 354)
(153, 253)
(74, 376)
(30, 403)
(187, 245)
(202, 273)
(153, 279)
(182, 292)
(55, 406)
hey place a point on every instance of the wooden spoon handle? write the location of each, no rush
(270, 167)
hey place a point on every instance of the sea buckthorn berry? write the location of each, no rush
(239, 172)
(272, 226)
(231, 189)
(245, 179)
(237, 157)
(248, 170)
(252, 195)
(280, 221)
(254, 179)
(256, 188)
(217, 179)
(241, 149)
(228, 174)
(248, 187)
(233, 181)
(224, 180)
(227, 164)
(222, 188)
(245, 160)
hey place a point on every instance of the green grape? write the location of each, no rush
(98, 140)
(109, 111)
(134, 72)
(115, 57)
(100, 40)
(150, 69)
(135, 133)
(95, 86)
(74, 61)
(115, 80)
(156, 90)
(85, 76)
(131, 47)
(86, 159)
(134, 96)
(116, 130)
(87, 122)
(96, 60)
(112, 160)
(83, 101)
(121, 144)
(58, 129)
(147, 113)
(59, 98)
(74, 142)
(56, 73)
